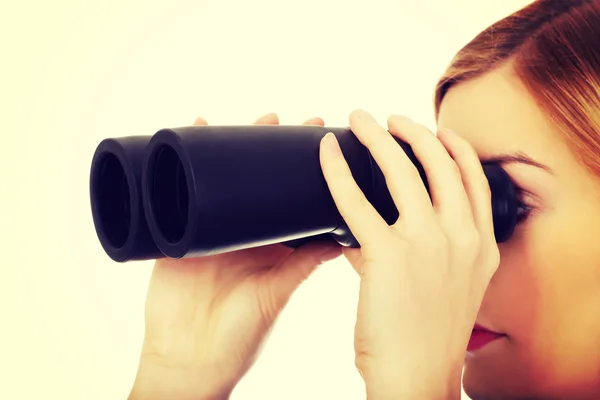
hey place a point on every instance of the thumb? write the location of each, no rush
(298, 266)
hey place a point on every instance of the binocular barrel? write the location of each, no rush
(203, 190)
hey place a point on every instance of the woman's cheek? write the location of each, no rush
(568, 300)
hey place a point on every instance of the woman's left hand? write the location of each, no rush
(423, 278)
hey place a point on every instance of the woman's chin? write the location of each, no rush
(482, 390)
(493, 374)
(484, 373)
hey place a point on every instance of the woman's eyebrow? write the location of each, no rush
(517, 157)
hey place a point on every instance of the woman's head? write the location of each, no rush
(527, 89)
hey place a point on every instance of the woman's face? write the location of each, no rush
(545, 295)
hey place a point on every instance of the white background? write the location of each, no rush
(75, 72)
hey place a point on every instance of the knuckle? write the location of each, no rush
(463, 146)
(414, 173)
(362, 203)
(486, 189)
(360, 362)
(467, 246)
(423, 141)
(365, 358)
(453, 169)
(494, 256)
(427, 134)
(429, 240)
(440, 242)
(465, 152)
(467, 240)
(471, 152)
(481, 185)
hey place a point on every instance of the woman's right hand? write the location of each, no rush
(206, 318)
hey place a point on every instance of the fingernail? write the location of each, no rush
(403, 117)
(200, 121)
(364, 114)
(331, 144)
(449, 131)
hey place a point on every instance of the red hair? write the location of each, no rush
(554, 48)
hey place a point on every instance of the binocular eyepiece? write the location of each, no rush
(203, 190)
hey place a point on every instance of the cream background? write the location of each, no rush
(75, 72)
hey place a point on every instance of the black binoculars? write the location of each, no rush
(203, 190)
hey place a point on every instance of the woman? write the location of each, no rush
(521, 317)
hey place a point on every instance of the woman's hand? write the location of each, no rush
(423, 278)
(206, 318)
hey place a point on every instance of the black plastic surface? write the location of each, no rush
(212, 189)
(116, 202)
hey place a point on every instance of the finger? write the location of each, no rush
(401, 176)
(297, 267)
(363, 220)
(474, 180)
(315, 121)
(269, 119)
(448, 194)
(355, 259)
(200, 122)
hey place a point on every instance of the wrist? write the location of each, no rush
(156, 382)
(395, 382)
(411, 392)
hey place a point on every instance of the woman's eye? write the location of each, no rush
(523, 211)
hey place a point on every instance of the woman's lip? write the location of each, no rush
(480, 337)
(478, 327)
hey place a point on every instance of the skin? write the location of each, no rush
(545, 295)
(539, 288)
(206, 318)
(438, 257)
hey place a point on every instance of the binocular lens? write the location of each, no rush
(114, 202)
(116, 199)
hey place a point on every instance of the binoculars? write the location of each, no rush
(203, 190)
